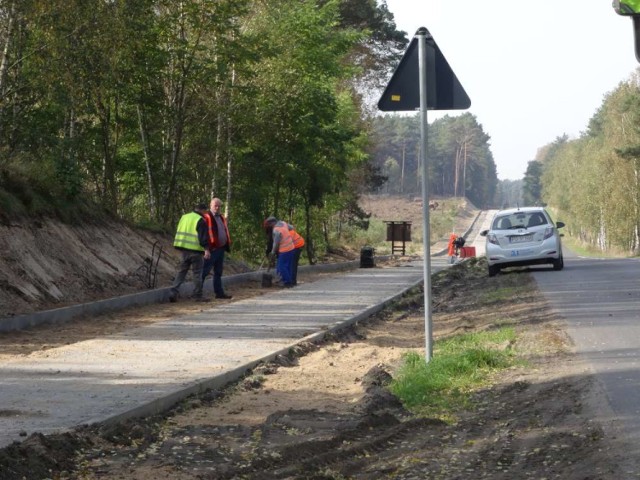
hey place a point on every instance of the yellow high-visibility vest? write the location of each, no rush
(187, 233)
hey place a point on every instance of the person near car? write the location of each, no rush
(219, 242)
(451, 247)
(191, 240)
(282, 249)
(298, 245)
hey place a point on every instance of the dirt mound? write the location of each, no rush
(402, 208)
(50, 264)
(47, 264)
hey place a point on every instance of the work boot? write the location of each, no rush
(224, 296)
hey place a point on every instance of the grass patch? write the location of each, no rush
(32, 190)
(459, 365)
(504, 294)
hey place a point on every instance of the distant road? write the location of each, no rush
(600, 300)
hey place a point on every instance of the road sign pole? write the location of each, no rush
(421, 35)
(401, 94)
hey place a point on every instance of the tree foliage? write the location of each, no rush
(593, 182)
(459, 159)
(146, 107)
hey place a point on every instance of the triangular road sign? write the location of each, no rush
(444, 91)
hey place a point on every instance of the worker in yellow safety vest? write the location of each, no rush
(191, 241)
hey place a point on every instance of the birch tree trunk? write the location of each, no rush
(153, 203)
(220, 138)
(404, 147)
(4, 59)
(227, 207)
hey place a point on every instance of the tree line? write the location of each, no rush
(593, 182)
(143, 108)
(459, 158)
(146, 107)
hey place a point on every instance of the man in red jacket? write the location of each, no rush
(219, 242)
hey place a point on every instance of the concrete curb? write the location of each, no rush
(165, 403)
(160, 295)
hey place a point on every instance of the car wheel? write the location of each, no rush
(559, 263)
(493, 270)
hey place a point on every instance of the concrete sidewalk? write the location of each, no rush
(146, 370)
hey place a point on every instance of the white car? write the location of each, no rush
(523, 236)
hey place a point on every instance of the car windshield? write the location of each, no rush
(519, 220)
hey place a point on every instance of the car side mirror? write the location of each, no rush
(484, 233)
(559, 224)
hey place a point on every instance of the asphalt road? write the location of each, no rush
(600, 301)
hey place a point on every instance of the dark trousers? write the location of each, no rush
(190, 260)
(294, 267)
(215, 262)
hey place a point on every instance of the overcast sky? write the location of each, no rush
(534, 70)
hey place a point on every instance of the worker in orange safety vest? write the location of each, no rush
(452, 248)
(282, 249)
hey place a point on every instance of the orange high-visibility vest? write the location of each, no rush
(452, 247)
(213, 240)
(298, 241)
(286, 241)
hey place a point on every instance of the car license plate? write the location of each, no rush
(521, 238)
(518, 253)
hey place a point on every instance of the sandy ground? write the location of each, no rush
(323, 412)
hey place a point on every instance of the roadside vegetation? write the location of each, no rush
(139, 110)
(593, 181)
(143, 109)
(460, 365)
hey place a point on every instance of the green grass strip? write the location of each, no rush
(459, 365)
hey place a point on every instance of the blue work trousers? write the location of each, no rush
(284, 267)
(215, 262)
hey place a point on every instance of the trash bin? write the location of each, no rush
(367, 257)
